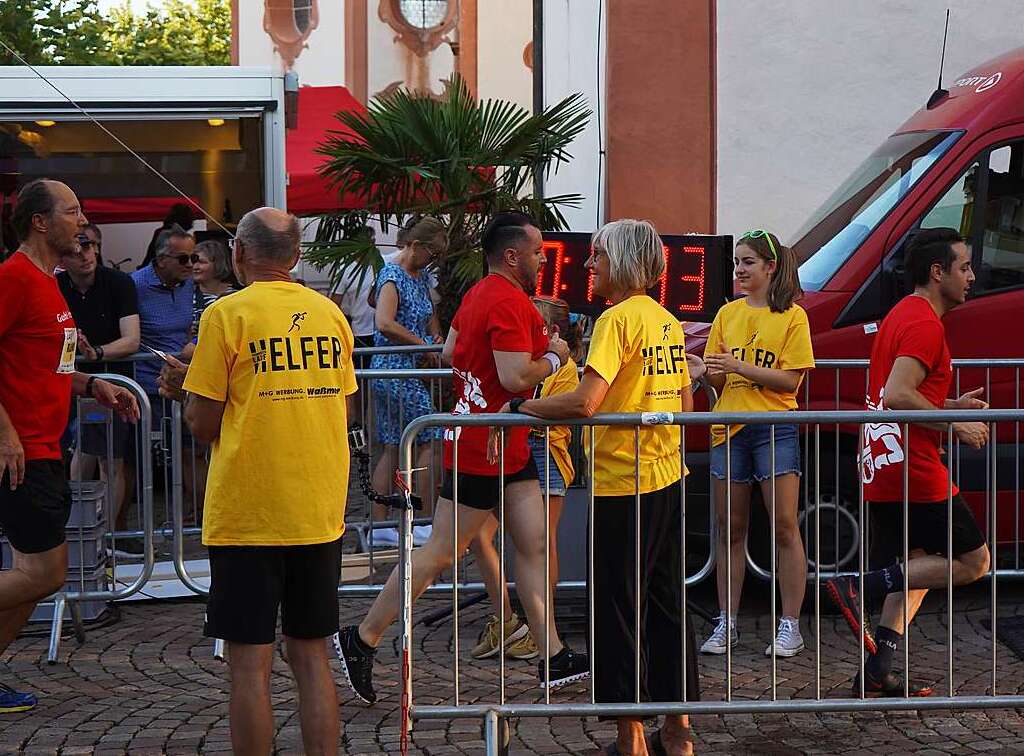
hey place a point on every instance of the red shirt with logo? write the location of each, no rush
(37, 356)
(496, 315)
(911, 329)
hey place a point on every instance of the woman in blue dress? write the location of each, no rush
(405, 316)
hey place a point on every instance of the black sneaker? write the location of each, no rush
(843, 592)
(567, 666)
(356, 662)
(890, 686)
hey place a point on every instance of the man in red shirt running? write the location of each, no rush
(911, 370)
(499, 349)
(37, 378)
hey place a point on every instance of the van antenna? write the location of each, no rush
(939, 92)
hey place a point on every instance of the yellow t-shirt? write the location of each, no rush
(637, 348)
(566, 379)
(279, 356)
(779, 340)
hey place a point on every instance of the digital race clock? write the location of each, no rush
(696, 282)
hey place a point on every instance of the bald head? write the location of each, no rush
(49, 212)
(270, 234)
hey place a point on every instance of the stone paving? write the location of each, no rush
(148, 684)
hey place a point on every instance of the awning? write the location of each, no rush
(308, 192)
(129, 209)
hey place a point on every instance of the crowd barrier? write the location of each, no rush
(492, 713)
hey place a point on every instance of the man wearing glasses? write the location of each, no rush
(106, 311)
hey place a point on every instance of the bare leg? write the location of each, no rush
(490, 569)
(249, 713)
(427, 459)
(33, 577)
(675, 735)
(318, 701)
(737, 548)
(383, 477)
(630, 738)
(554, 516)
(83, 466)
(792, 559)
(525, 521)
(427, 563)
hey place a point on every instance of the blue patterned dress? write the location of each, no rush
(398, 401)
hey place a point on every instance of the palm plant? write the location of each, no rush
(455, 158)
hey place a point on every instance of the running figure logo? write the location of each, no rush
(296, 319)
(665, 330)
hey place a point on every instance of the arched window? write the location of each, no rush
(289, 24)
(421, 25)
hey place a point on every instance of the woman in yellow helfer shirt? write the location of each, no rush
(637, 363)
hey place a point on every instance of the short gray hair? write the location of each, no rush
(636, 258)
(263, 241)
(163, 239)
(217, 254)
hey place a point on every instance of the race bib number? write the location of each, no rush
(67, 352)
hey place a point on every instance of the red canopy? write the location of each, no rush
(308, 193)
(129, 209)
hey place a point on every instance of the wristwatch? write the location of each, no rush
(513, 406)
(88, 385)
(99, 353)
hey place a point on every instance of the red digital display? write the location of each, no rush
(696, 282)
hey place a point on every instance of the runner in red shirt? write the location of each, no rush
(499, 349)
(37, 379)
(911, 370)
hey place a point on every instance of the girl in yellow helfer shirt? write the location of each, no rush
(757, 353)
(558, 464)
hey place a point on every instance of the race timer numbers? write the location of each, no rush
(696, 282)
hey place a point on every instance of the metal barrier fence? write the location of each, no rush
(492, 713)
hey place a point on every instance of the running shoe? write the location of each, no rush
(356, 662)
(524, 649)
(715, 644)
(788, 640)
(11, 701)
(843, 592)
(890, 686)
(490, 638)
(567, 666)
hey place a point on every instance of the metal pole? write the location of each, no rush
(949, 564)
(728, 563)
(906, 560)
(501, 565)
(590, 564)
(637, 598)
(455, 558)
(538, 80)
(774, 625)
(817, 561)
(405, 579)
(862, 531)
(547, 562)
(682, 553)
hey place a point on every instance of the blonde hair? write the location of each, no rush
(555, 312)
(636, 258)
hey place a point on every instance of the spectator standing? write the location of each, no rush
(637, 363)
(758, 352)
(106, 311)
(212, 278)
(911, 369)
(37, 378)
(268, 391)
(405, 316)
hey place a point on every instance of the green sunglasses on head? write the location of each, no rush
(759, 233)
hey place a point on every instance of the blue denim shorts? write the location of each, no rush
(750, 454)
(554, 474)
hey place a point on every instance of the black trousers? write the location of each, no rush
(663, 618)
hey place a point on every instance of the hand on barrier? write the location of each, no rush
(494, 438)
(975, 435)
(117, 398)
(969, 400)
(84, 347)
(171, 377)
(12, 454)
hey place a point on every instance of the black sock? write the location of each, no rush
(880, 583)
(365, 647)
(879, 665)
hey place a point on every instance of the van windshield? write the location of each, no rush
(838, 227)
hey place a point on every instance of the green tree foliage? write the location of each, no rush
(453, 157)
(75, 32)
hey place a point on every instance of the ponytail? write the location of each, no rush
(784, 287)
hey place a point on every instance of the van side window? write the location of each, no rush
(1002, 254)
(956, 207)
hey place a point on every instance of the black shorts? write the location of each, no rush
(249, 583)
(94, 439)
(33, 516)
(483, 491)
(927, 529)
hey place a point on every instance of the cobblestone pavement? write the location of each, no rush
(148, 684)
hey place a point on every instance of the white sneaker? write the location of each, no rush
(421, 534)
(384, 538)
(788, 641)
(716, 643)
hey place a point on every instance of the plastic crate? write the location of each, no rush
(85, 548)
(95, 580)
(87, 498)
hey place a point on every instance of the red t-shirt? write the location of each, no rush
(495, 316)
(911, 329)
(37, 356)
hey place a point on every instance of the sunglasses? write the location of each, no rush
(760, 233)
(183, 259)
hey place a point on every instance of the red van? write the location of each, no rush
(958, 162)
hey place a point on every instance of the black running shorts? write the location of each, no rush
(483, 491)
(927, 531)
(33, 516)
(249, 583)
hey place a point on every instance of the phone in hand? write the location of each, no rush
(157, 352)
